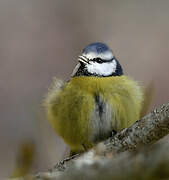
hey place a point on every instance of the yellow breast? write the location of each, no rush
(71, 112)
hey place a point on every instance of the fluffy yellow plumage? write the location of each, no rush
(96, 100)
(69, 107)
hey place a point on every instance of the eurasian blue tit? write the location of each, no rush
(97, 100)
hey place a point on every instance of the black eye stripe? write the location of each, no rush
(99, 60)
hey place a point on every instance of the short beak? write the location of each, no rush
(83, 59)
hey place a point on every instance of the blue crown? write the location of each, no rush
(96, 47)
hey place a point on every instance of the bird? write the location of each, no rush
(96, 102)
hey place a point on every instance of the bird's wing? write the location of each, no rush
(53, 91)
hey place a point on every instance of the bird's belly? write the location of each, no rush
(101, 120)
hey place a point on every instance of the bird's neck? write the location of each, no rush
(95, 84)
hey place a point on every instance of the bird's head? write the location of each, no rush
(97, 60)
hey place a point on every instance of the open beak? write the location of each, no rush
(83, 59)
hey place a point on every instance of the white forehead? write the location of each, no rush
(103, 69)
(107, 55)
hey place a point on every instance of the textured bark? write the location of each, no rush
(145, 131)
(146, 164)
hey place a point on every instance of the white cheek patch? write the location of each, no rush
(103, 69)
(106, 55)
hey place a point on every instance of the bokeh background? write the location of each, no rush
(42, 39)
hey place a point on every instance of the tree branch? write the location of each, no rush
(146, 131)
(104, 161)
(149, 163)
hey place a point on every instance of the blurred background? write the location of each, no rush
(42, 39)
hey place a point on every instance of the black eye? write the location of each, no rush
(98, 60)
